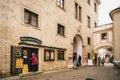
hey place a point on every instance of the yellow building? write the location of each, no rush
(53, 29)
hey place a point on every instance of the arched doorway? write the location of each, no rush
(106, 52)
(77, 46)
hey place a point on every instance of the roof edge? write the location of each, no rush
(98, 1)
(113, 11)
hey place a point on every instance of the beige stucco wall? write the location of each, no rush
(116, 27)
(13, 27)
(98, 42)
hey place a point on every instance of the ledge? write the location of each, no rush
(25, 43)
(29, 73)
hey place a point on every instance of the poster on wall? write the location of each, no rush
(25, 68)
(19, 63)
(25, 53)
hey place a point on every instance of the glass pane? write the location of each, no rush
(26, 17)
(34, 20)
(52, 55)
(47, 55)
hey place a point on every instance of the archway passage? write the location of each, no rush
(107, 53)
(77, 46)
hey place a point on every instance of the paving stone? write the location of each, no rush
(84, 73)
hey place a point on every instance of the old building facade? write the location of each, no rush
(53, 29)
(115, 15)
(103, 40)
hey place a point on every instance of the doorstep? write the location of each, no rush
(29, 73)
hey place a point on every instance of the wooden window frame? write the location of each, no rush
(60, 3)
(50, 54)
(88, 21)
(63, 54)
(30, 15)
(103, 36)
(60, 29)
(80, 13)
(77, 11)
(89, 41)
(95, 7)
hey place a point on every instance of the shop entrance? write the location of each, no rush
(20, 59)
(27, 54)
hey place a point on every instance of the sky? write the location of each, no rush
(105, 8)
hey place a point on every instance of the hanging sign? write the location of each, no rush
(30, 39)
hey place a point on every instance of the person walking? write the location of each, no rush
(79, 61)
(34, 62)
(74, 61)
(99, 60)
(103, 60)
(95, 60)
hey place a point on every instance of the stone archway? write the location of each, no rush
(77, 46)
(106, 52)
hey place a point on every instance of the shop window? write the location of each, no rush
(89, 41)
(60, 55)
(30, 18)
(60, 3)
(60, 29)
(49, 55)
(104, 36)
(77, 12)
(88, 1)
(88, 21)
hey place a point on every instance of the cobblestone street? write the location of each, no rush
(93, 72)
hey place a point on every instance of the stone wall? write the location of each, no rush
(13, 27)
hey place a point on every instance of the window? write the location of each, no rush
(30, 18)
(60, 29)
(60, 55)
(88, 22)
(88, 1)
(89, 41)
(95, 24)
(49, 55)
(88, 55)
(95, 7)
(77, 12)
(61, 3)
(104, 36)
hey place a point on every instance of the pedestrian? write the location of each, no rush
(103, 60)
(112, 59)
(74, 61)
(95, 60)
(79, 61)
(34, 62)
(99, 60)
